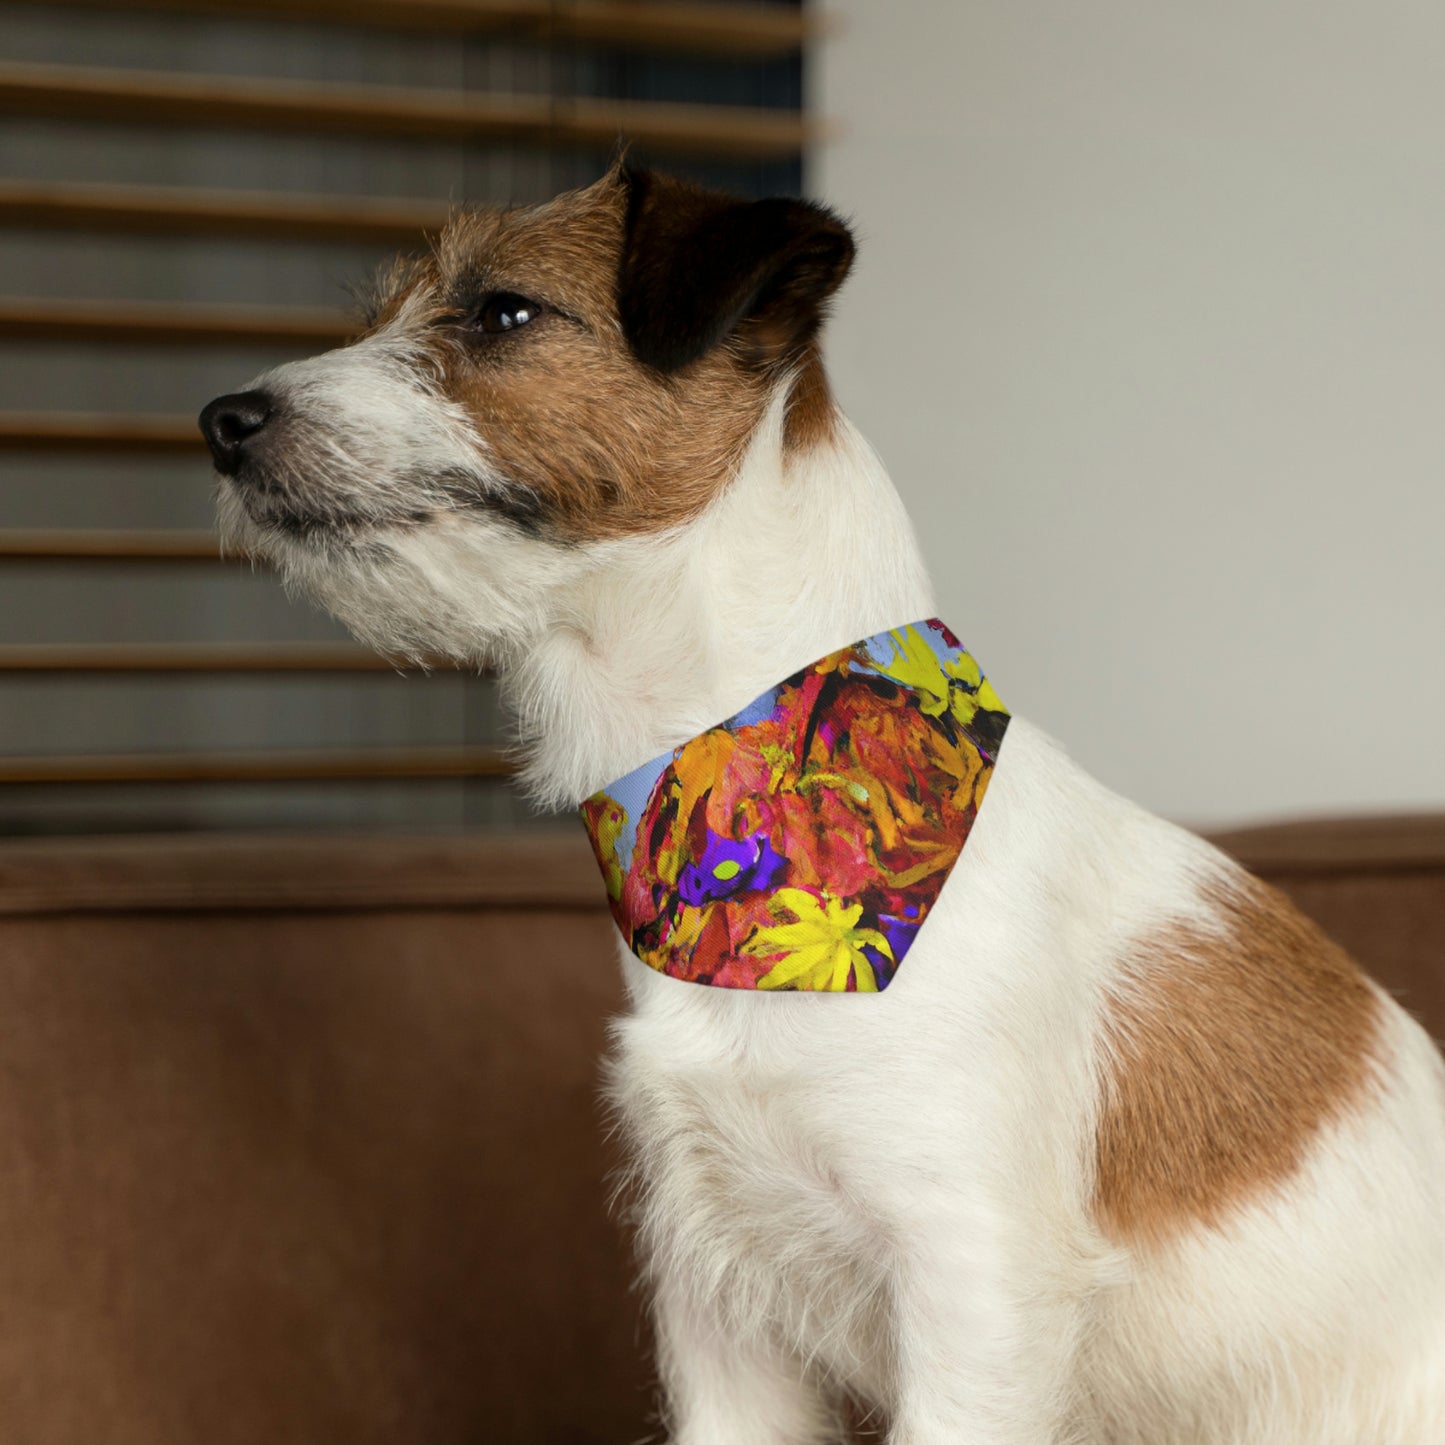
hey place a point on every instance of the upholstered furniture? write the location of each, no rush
(300, 1141)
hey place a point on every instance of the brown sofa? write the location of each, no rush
(299, 1140)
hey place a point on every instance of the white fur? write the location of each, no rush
(890, 1195)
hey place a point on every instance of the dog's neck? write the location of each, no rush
(663, 637)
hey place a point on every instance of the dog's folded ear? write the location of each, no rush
(699, 267)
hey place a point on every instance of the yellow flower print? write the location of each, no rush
(819, 947)
(988, 698)
(915, 665)
(977, 691)
(607, 820)
(965, 670)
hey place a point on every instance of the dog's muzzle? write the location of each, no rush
(231, 424)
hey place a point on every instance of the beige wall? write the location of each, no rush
(1149, 324)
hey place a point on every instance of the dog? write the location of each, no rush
(1127, 1153)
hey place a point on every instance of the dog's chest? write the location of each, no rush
(749, 1183)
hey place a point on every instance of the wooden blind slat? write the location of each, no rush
(112, 96)
(753, 31)
(269, 767)
(168, 323)
(175, 211)
(107, 546)
(157, 97)
(94, 431)
(705, 29)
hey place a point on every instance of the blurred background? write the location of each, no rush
(301, 1006)
(190, 194)
(1149, 324)
(1146, 323)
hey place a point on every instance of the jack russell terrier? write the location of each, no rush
(1100, 1142)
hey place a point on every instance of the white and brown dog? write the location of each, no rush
(1129, 1153)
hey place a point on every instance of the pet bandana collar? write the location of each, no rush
(801, 843)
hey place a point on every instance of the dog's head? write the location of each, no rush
(545, 382)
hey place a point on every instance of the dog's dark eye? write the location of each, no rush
(505, 311)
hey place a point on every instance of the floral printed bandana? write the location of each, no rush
(801, 843)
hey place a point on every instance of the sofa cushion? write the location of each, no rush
(300, 1138)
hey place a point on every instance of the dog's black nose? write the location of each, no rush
(229, 422)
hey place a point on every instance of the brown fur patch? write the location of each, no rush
(601, 444)
(1229, 1051)
(812, 412)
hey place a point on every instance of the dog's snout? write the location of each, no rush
(229, 422)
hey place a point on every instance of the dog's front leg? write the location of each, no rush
(724, 1387)
(985, 1351)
